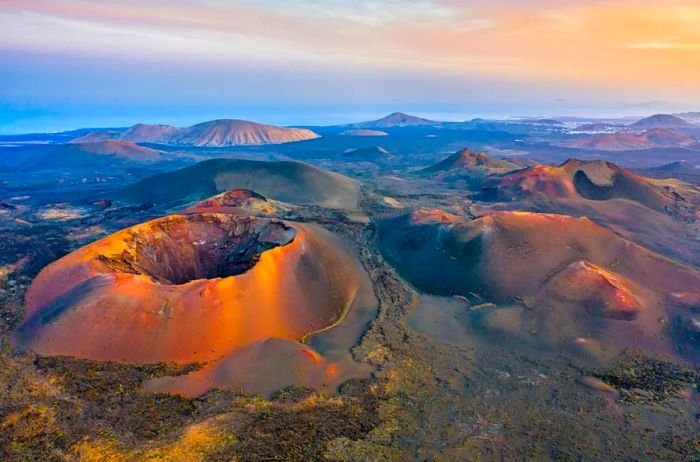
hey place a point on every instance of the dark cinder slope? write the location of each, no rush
(292, 182)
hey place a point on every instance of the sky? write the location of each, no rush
(79, 63)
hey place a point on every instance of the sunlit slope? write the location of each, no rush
(189, 288)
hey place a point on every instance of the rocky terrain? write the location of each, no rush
(489, 307)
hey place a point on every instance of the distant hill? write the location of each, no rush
(148, 133)
(229, 132)
(653, 138)
(395, 120)
(682, 170)
(595, 127)
(97, 135)
(293, 182)
(363, 132)
(98, 154)
(215, 133)
(372, 153)
(661, 121)
(467, 159)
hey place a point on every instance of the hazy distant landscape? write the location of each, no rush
(215, 258)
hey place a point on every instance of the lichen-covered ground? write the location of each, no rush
(429, 400)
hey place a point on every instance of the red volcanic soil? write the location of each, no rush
(654, 138)
(263, 368)
(662, 215)
(593, 180)
(578, 277)
(189, 288)
(240, 201)
(603, 292)
(432, 216)
(469, 160)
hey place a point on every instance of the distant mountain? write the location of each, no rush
(149, 133)
(363, 132)
(215, 133)
(98, 154)
(661, 121)
(467, 159)
(654, 138)
(395, 120)
(232, 132)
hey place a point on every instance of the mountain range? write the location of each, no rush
(215, 133)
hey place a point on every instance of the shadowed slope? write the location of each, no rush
(292, 182)
(99, 153)
(574, 274)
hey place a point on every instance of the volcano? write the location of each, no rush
(292, 182)
(395, 120)
(189, 288)
(592, 180)
(239, 201)
(467, 160)
(575, 275)
(661, 121)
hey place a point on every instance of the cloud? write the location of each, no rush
(448, 50)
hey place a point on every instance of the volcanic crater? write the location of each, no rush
(189, 288)
(198, 247)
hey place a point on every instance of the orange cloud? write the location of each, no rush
(607, 44)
